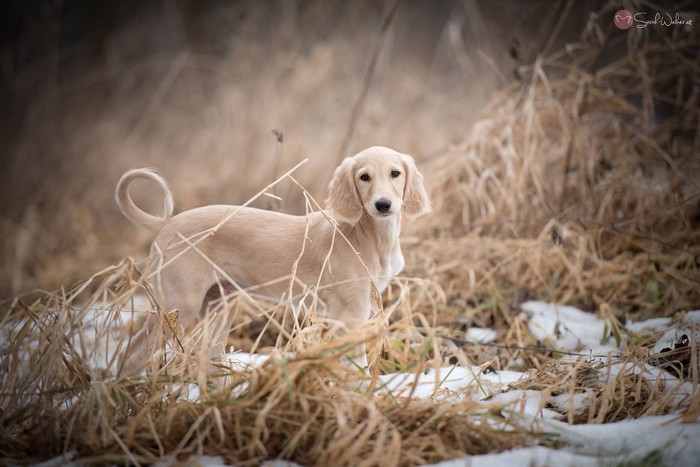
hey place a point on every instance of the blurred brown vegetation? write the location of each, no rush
(196, 88)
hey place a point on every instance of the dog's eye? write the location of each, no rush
(395, 173)
(365, 177)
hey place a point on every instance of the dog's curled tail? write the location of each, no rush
(133, 212)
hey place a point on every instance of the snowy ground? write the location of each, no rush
(658, 440)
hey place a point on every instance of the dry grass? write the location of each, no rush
(635, 391)
(309, 407)
(575, 186)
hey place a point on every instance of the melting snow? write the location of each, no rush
(568, 328)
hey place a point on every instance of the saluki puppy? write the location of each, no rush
(210, 245)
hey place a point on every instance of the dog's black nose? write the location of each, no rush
(383, 205)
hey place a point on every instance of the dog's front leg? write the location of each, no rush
(351, 309)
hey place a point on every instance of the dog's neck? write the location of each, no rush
(378, 245)
(383, 231)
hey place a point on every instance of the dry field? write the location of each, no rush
(577, 182)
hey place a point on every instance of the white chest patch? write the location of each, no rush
(390, 268)
(391, 264)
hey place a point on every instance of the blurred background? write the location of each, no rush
(224, 96)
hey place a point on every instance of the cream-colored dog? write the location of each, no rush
(210, 245)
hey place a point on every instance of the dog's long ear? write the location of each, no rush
(343, 199)
(415, 199)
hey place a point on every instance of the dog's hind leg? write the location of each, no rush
(180, 300)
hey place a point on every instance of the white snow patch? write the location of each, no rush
(633, 439)
(504, 377)
(446, 381)
(481, 335)
(534, 456)
(525, 402)
(279, 463)
(242, 361)
(692, 317)
(568, 401)
(428, 383)
(626, 442)
(675, 336)
(653, 324)
(569, 328)
(194, 461)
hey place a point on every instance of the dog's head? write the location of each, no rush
(380, 182)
